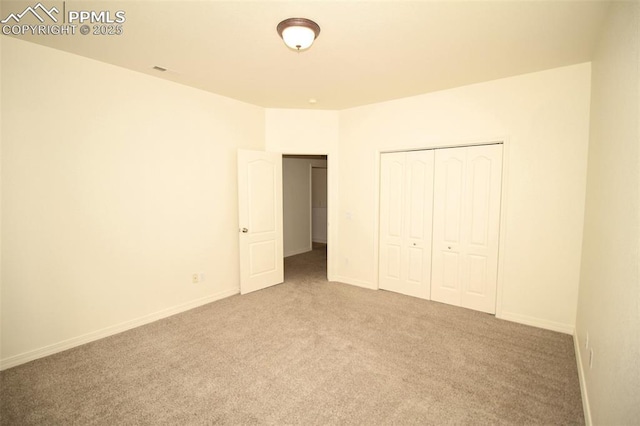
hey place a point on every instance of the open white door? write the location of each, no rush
(260, 219)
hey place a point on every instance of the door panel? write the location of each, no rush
(416, 263)
(477, 275)
(451, 192)
(393, 264)
(262, 255)
(467, 188)
(418, 216)
(479, 202)
(262, 199)
(394, 196)
(451, 273)
(484, 183)
(406, 185)
(260, 220)
(417, 175)
(391, 219)
(447, 222)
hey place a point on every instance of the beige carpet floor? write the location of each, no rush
(306, 352)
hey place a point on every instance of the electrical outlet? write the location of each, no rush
(586, 341)
(195, 278)
(591, 358)
(201, 276)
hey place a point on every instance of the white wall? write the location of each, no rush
(543, 118)
(302, 131)
(608, 303)
(297, 196)
(309, 132)
(117, 186)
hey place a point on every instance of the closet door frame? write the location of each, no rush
(504, 141)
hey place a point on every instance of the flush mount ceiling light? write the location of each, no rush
(298, 33)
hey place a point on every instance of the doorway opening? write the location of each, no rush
(304, 204)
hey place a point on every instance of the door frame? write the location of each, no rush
(504, 140)
(331, 206)
(311, 167)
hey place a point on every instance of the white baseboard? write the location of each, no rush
(583, 382)
(319, 240)
(353, 281)
(299, 251)
(537, 322)
(109, 331)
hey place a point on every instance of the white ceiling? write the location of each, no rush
(367, 51)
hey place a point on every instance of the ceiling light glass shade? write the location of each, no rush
(298, 33)
(299, 38)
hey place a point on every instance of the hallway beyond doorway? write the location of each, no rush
(309, 266)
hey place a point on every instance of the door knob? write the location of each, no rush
(245, 230)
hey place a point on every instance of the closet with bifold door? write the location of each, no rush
(440, 224)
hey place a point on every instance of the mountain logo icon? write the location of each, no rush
(38, 10)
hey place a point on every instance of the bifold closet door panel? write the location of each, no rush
(484, 183)
(449, 179)
(419, 223)
(406, 205)
(466, 220)
(391, 219)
